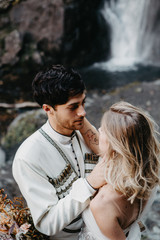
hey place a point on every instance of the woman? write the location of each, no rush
(128, 143)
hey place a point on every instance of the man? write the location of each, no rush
(50, 166)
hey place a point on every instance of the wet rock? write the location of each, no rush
(5, 3)
(12, 47)
(35, 34)
(40, 19)
(37, 57)
(57, 29)
(2, 157)
(7, 181)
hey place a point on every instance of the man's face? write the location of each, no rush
(69, 116)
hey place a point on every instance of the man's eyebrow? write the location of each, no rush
(72, 104)
(76, 103)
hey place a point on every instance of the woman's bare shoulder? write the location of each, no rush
(107, 194)
(106, 200)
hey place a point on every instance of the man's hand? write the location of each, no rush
(96, 178)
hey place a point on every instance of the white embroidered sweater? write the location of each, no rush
(53, 207)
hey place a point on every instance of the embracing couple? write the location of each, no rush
(80, 183)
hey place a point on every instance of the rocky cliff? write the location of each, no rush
(38, 33)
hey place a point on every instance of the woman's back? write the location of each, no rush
(110, 202)
(107, 204)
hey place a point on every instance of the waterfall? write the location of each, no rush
(134, 33)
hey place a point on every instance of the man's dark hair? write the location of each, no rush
(56, 85)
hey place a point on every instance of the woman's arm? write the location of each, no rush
(91, 136)
(106, 215)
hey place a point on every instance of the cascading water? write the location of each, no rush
(134, 45)
(134, 33)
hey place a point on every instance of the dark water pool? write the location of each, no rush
(97, 78)
(18, 88)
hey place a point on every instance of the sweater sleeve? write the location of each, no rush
(50, 215)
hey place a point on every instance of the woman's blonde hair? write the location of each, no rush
(133, 153)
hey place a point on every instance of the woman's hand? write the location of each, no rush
(97, 177)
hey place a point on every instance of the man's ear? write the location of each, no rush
(47, 108)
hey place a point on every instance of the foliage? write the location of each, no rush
(15, 220)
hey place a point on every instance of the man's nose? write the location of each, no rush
(81, 111)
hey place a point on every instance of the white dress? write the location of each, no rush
(91, 231)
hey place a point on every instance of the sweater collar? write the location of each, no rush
(57, 136)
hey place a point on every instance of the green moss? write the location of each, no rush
(22, 128)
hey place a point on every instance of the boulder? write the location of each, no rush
(21, 127)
